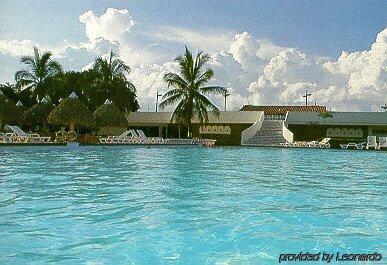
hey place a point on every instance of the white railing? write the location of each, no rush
(275, 117)
(253, 129)
(286, 133)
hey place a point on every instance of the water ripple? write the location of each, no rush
(186, 205)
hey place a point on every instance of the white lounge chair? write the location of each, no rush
(3, 138)
(287, 144)
(323, 144)
(127, 137)
(371, 142)
(64, 136)
(361, 145)
(353, 145)
(149, 140)
(382, 142)
(19, 136)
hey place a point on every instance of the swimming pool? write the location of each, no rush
(188, 205)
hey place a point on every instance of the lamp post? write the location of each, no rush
(225, 95)
(306, 97)
(157, 98)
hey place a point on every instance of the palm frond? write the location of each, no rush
(173, 92)
(206, 102)
(213, 90)
(28, 60)
(204, 78)
(45, 58)
(175, 80)
(200, 60)
(170, 101)
(24, 74)
(201, 111)
(118, 67)
(186, 63)
(55, 67)
(188, 88)
(131, 87)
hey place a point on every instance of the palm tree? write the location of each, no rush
(111, 68)
(112, 83)
(40, 68)
(189, 88)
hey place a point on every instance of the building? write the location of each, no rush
(227, 128)
(270, 130)
(341, 127)
(279, 112)
(268, 125)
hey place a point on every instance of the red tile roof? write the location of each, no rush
(281, 110)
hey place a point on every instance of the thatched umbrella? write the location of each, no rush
(108, 115)
(9, 112)
(38, 113)
(71, 111)
(18, 115)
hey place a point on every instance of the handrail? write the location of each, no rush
(286, 133)
(253, 129)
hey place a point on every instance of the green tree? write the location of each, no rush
(111, 82)
(79, 82)
(189, 89)
(40, 67)
(325, 115)
(9, 112)
(24, 96)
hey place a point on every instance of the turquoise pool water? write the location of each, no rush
(188, 205)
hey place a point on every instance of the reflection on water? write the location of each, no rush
(187, 205)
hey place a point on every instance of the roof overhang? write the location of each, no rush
(338, 118)
(165, 118)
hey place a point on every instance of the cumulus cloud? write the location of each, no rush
(110, 26)
(15, 47)
(148, 79)
(114, 27)
(355, 81)
(252, 54)
(254, 71)
(259, 72)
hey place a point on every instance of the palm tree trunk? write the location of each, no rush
(189, 130)
(72, 127)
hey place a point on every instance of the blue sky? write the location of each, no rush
(323, 27)
(275, 48)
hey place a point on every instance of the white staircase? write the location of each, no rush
(270, 134)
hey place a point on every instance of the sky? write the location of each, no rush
(264, 52)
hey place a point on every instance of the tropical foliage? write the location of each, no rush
(71, 111)
(64, 84)
(44, 77)
(108, 115)
(325, 115)
(24, 96)
(190, 89)
(40, 67)
(9, 112)
(111, 83)
(38, 113)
